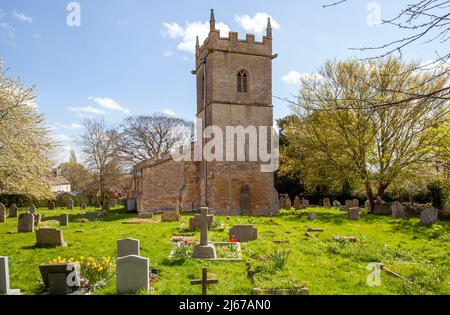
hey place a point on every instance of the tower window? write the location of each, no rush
(242, 81)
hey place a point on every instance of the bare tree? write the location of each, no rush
(100, 147)
(152, 137)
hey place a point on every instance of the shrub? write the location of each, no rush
(278, 258)
(182, 251)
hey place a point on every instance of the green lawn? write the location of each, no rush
(324, 265)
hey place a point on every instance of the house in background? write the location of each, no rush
(59, 184)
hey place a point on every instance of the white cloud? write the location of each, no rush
(170, 112)
(256, 24)
(294, 77)
(189, 32)
(169, 53)
(87, 110)
(63, 138)
(9, 29)
(22, 17)
(70, 126)
(109, 103)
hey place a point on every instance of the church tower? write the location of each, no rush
(234, 88)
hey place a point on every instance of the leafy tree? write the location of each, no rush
(25, 145)
(368, 120)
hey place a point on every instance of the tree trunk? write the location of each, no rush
(382, 189)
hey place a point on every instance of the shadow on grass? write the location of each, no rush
(172, 262)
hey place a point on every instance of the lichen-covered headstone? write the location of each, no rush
(32, 209)
(297, 203)
(13, 211)
(288, 203)
(243, 233)
(305, 203)
(312, 216)
(353, 214)
(428, 216)
(348, 204)
(398, 210)
(326, 203)
(336, 204)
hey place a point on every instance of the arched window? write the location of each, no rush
(242, 81)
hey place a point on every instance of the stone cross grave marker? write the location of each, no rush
(50, 237)
(2, 213)
(132, 274)
(204, 250)
(204, 281)
(13, 211)
(127, 247)
(4, 278)
(25, 223)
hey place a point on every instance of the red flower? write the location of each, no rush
(233, 239)
(186, 241)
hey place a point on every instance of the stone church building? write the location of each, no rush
(234, 88)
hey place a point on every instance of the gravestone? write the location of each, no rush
(204, 281)
(4, 278)
(398, 210)
(83, 206)
(348, 204)
(25, 223)
(94, 215)
(127, 247)
(312, 216)
(131, 205)
(32, 209)
(64, 219)
(2, 213)
(281, 202)
(382, 207)
(50, 237)
(326, 203)
(305, 203)
(245, 200)
(243, 233)
(297, 203)
(287, 203)
(37, 218)
(60, 279)
(355, 203)
(367, 205)
(336, 204)
(51, 205)
(353, 214)
(70, 204)
(428, 216)
(145, 215)
(170, 217)
(132, 274)
(13, 211)
(204, 250)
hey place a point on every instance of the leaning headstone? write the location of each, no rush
(25, 223)
(398, 210)
(132, 274)
(170, 217)
(297, 203)
(336, 204)
(32, 209)
(64, 219)
(60, 279)
(50, 237)
(2, 213)
(287, 203)
(70, 204)
(127, 247)
(353, 214)
(312, 216)
(4, 278)
(13, 211)
(204, 250)
(326, 203)
(367, 205)
(51, 205)
(428, 216)
(243, 233)
(355, 203)
(348, 204)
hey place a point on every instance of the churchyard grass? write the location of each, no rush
(323, 265)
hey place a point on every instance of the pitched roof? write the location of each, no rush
(60, 180)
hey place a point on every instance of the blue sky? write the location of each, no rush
(132, 57)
